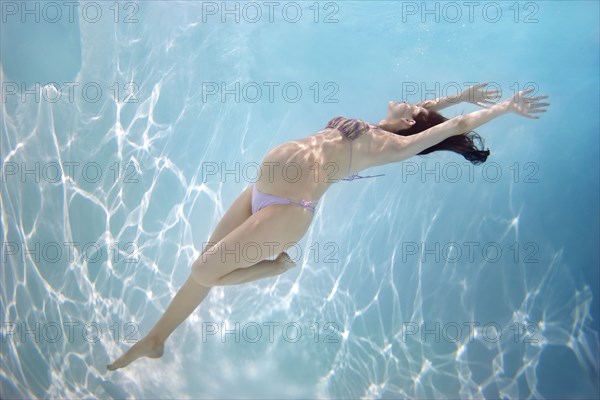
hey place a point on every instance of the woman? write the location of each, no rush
(276, 211)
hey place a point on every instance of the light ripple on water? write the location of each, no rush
(369, 292)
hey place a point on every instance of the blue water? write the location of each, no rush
(385, 259)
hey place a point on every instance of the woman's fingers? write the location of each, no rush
(530, 99)
(538, 105)
(489, 95)
(530, 116)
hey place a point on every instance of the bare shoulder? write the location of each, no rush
(380, 138)
(383, 146)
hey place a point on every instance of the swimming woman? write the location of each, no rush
(274, 213)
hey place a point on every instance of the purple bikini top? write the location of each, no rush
(352, 129)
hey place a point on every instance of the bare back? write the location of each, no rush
(307, 167)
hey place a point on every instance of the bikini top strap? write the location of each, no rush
(356, 176)
(350, 163)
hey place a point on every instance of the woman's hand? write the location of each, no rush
(482, 98)
(525, 106)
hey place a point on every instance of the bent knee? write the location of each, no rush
(201, 276)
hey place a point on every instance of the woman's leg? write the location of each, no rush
(187, 299)
(272, 229)
(263, 269)
(190, 295)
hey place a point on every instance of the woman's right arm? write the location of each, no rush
(475, 94)
(408, 146)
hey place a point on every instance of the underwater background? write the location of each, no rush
(129, 128)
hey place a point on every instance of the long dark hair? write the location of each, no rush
(463, 144)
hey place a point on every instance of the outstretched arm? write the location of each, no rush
(474, 95)
(408, 146)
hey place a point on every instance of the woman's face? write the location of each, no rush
(401, 114)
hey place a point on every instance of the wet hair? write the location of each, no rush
(463, 144)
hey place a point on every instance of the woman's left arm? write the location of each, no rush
(404, 147)
(474, 95)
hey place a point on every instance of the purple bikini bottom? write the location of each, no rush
(261, 200)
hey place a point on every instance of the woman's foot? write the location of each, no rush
(285, 262)
(147, 347)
